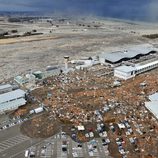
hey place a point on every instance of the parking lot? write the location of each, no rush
(13, 142)
(9, 143)
(62, 146)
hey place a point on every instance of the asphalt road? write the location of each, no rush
(13, 142)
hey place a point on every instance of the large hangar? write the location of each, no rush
(133, 52)
(12, 100)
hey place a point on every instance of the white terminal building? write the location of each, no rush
(11, 100)
(127, 72)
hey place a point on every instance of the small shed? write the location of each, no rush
(20, 80)
(38, 74)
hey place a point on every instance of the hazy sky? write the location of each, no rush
(114, 8)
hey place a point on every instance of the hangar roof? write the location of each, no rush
(12, 105)
(11, 95)
(130, 52)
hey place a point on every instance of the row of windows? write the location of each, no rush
(147, 68)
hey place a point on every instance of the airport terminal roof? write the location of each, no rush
(130, 52)
(152, 107)
(11, 95)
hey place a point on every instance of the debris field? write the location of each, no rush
(117, 113)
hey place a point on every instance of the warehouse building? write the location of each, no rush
(12, 100)
(5, 88)
(127, 72)
(152, 107)
(134, 52)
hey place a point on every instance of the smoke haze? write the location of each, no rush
(125, 9)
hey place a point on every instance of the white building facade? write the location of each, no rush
(127, 72)
(124, 72)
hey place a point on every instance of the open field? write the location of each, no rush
(83, 104)
(72, 37)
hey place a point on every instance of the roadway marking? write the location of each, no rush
(38, 151)
(6, 144)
